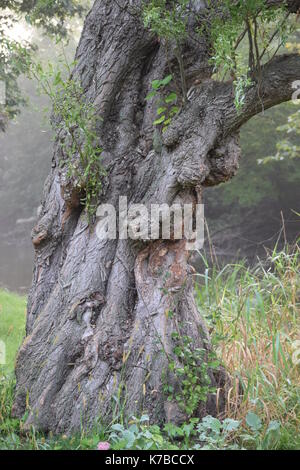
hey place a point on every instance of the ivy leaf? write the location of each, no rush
(161, 110)
(150, 95)
(171, 98)
(174, 110)
(166, 80)
(159, 120)
(156, 84)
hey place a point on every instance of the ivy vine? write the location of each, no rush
(75, 119)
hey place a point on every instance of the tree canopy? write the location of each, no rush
(15, 53)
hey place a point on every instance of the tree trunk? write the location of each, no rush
(101, 314)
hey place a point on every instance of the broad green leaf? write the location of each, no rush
(273, 426)
(144, 418)
(230, 425)
(253, 421)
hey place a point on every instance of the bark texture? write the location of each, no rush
(98, 336)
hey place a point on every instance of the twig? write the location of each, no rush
(251, 53)
(182, 72)
(240, 38)
(273, 35)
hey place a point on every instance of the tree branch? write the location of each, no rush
(274, 88)
(293, 6)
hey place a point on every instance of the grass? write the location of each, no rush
(12, 327)
(253, 314)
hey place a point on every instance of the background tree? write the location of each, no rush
(116, 321)
(246, 215)
(15, 53)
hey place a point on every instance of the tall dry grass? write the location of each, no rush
(254, 317)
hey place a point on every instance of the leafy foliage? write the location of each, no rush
(14, 57)
(192, 374)
(289, 147)
(262, 440)
(139, 435)
(15, 53)
(50, 15)
(167, 107)
(252, 30)
(265, 27)
(215, 434)
(74, 120)
(167, 19)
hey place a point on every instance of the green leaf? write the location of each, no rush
(212, 423)
(57, 79)
(167, 122)
(274, 426)
(159, 120)
(174, 110)
(130, 438)
(150, 95)
(166, 80)
(230, 425)
(156, 84)
(171, 98)
(253, 421)
(144, 418)
(117, 427)
(160, 110)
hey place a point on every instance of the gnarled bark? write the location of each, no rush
(99, 329)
